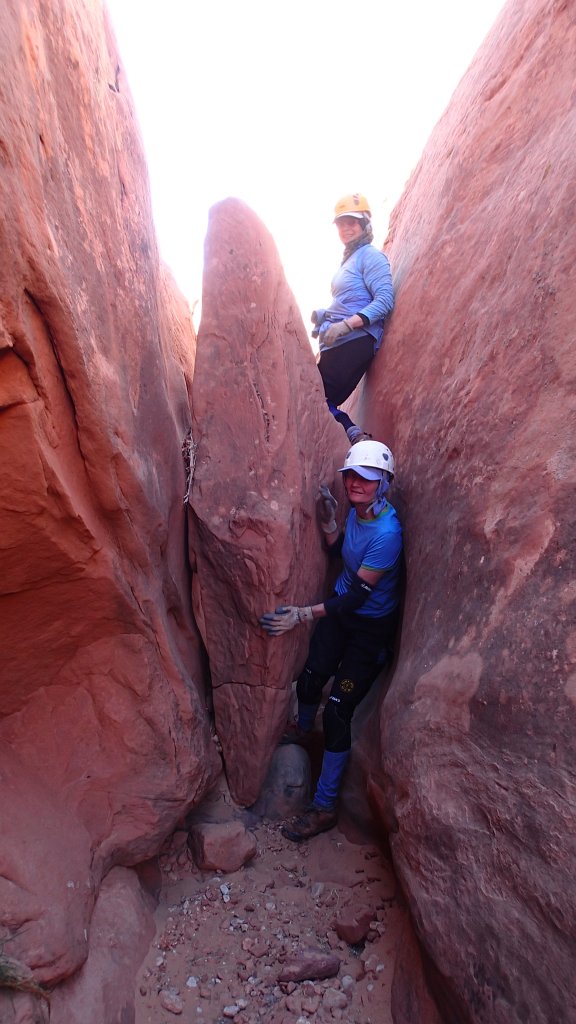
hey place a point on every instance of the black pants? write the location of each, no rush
(342, 368)
(352, 648)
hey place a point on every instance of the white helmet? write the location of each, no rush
(366, 455)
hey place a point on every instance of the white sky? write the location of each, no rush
(287, 107)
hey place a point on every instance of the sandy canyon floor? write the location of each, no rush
(223, 941)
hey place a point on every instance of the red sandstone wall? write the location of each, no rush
(104, 740)
(474, 389)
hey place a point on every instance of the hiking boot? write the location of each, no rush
(294, 734)
(314, 821)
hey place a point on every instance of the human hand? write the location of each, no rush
(284, 619)
(317, 318)
(327, 506)
(335, 331)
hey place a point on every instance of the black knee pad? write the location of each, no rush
(310, 685)
(336, 721)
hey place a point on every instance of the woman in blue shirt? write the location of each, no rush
(355, 632)
(350, 331)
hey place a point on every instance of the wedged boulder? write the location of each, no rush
(263, 441)
(101, 688)
(286, 788)
(474, 390)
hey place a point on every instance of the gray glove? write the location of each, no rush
(284, 619)
(327, 506)
(335, 331)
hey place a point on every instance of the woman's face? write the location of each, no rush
(349, 228)
(358, 490)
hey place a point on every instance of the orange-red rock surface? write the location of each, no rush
(104, 738)
(263, 442)
(474, 390)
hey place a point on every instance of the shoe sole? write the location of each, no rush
(297, 837)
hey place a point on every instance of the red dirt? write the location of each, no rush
(222, 940)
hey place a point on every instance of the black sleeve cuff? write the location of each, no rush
(364, 319)
(353, 599)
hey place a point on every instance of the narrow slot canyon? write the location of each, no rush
(159, 498)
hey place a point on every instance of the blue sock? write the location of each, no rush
(344, 419)
(307, 715)
(333, 766)
(332, 408)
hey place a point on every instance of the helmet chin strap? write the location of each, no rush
(379, 502)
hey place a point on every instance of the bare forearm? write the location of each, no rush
(319, 611)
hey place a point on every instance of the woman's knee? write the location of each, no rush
(309, 685)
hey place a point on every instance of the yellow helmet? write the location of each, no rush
(355, 205)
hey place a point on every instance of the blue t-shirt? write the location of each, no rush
(373, 544)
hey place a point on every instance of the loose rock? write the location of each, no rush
(221, 846)
(309, 963)
(241, 961)
(353, 923)
(170, 1000)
